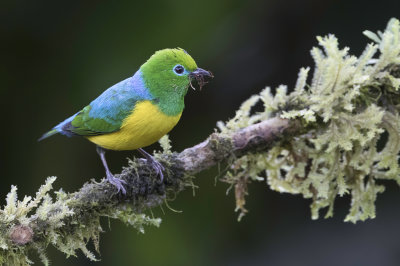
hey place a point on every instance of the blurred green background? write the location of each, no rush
(57, 56)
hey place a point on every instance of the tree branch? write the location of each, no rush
(145, 191)
(218, 147)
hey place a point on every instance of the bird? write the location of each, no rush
(137, 111)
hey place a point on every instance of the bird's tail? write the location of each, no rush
(48, 134)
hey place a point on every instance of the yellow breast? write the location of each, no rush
(144, 126)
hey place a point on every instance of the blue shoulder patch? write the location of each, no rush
(120, 99)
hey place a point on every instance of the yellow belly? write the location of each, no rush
(144, 126)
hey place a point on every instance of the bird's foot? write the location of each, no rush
(117, 182)
(156, 165)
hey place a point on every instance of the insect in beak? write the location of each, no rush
(199, 75)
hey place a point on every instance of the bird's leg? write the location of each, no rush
(157, 166)
(110, 177)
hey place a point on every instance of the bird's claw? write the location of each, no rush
(158, 168)
(117, 182)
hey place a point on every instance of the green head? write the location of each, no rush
(168, 74)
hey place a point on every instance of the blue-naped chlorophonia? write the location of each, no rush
(137, 111)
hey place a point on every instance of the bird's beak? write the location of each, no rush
(199, 74)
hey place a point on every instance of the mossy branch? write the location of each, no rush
(336, 134)
(73, 218)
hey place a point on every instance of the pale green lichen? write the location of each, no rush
(165, 144)
(349, 105)
(63, 222)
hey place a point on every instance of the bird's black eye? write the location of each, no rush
(178, 69)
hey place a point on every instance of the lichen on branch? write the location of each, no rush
(335, 133)
(350, 104)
